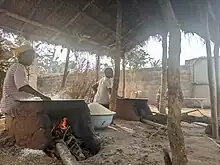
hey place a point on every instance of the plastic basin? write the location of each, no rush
(101, 117)
(101, 121)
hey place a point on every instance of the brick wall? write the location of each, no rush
(146, 80)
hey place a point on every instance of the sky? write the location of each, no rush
(192, 46)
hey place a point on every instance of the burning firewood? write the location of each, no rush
(63, 136)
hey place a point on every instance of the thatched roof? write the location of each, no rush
(91, 24)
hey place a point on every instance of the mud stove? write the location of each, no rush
(41, 124)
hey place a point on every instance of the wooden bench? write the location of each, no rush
(198, 100)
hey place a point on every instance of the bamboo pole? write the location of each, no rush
(117, 58)
(175, 96)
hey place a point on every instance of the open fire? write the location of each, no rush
(61, 132)
(63, 124)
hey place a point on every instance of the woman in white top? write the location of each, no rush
(103, 88)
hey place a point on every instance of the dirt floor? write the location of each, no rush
(125, 143)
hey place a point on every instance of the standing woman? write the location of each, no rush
(103, 88)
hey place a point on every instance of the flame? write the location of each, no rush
(63, 124)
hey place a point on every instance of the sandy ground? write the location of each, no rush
(126, 143)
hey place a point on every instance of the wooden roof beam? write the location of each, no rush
(30, 15)
(35, 23)
(74, 18)
(58, 7)
(129, 31)
(133, 29)
(211, 11)
(1, 2)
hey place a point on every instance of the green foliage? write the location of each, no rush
(139, 58)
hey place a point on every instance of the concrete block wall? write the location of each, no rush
(149, 80)
(146, 80)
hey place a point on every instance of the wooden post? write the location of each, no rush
(97, 67)
(117, 58)
(216, 56)
(211, 80)
(162, 103)
(175, 96)
(123, 74)
(65, 74)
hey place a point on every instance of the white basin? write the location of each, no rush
(101, 121)
(101, 117)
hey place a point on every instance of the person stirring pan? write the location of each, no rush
(15, 86)
(103, 88)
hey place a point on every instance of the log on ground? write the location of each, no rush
(153, 124)
(162, 118)
(208, 130)
(65, 155)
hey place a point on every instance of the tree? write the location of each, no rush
(162, 103)
(175, 96)
(138, 58)
(47, 61)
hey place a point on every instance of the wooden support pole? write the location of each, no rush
(97, 67)
(65, 74)
(216, 57)
(162, 103)
(123, 75)
(117, 58)
(211, 80)
(175, 96)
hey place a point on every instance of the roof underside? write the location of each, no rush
(91, 24)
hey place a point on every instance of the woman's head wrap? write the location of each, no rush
(19, 50)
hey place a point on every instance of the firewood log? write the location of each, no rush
(65, 155)
(166, 157)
